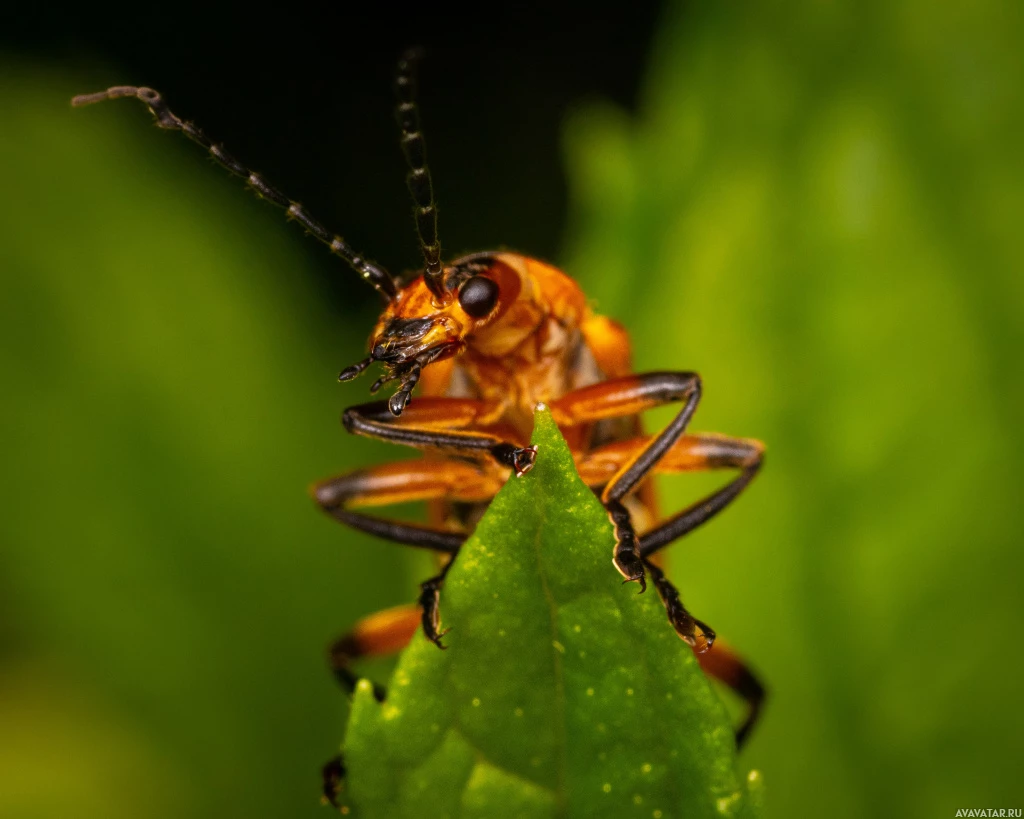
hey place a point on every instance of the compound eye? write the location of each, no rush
(478, 296)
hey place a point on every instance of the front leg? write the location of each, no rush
(697, 634)
(440, 424)
(620, 397)
(720, 663)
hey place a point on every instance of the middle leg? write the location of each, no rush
(402, 482)
(417, 480)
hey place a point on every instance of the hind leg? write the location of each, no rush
(378, 635)
(728, 667)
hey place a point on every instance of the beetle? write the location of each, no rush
(486, 338)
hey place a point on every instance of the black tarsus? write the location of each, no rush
(341, 654)
(632, 552)
(420, 185)
(346, 649)
(685, 624)
(750, 688)
(333, 773)
(430, 600)
(372, 272)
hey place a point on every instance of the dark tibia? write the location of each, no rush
(381, 634)
(377, 420)
(336, 495)
(342, 653)
(625, 396)
(700, 512)
(408, 534)
(333, 773)
(727, 667)
(664, 388)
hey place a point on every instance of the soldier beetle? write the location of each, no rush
(485, 338)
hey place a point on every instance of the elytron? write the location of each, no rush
(485, 338)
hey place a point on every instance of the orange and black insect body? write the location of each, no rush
(484, 339)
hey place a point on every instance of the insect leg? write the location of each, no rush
(372, 272)
(706, 452)
(389, 631)
(696, 452)
(420, 426)
(691, 453)
(430, 599)
(700, 636)
(619, 397)
(333, 774)
(403, 482)
(722, 664)
(608, 342)
(719, 662)
(380, 634)
(400, 483)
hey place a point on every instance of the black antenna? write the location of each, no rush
(408, 115)
(373, 273)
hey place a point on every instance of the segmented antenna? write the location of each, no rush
(413, 146)
(373, 273)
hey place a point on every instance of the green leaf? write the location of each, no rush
(563, 692)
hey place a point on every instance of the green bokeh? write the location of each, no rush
(818, 207)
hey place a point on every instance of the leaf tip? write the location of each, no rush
(545, 430)
(364, 701)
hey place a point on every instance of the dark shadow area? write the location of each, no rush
(303, 94)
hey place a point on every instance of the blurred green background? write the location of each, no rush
(816, 205)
